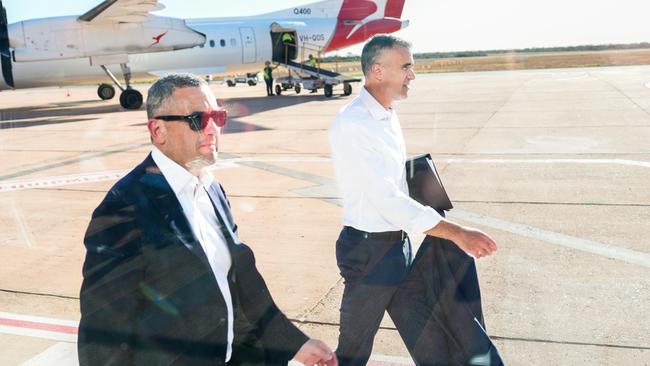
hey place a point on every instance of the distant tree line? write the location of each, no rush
(453, 54)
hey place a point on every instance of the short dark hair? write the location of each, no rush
(164, 87)
(373, 49)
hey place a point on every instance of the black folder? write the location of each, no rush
(425, 185)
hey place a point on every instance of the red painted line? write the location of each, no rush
(38, 325)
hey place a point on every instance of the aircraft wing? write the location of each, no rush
(121, 11)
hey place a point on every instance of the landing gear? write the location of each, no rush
(130, 98)
(106, 91)
(328, 90)
(297, 88)
(347, 89)
(278, 89)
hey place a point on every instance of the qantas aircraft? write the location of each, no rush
(123, 37)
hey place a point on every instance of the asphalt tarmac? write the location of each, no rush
(553, 164)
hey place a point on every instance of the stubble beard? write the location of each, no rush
(201, 162)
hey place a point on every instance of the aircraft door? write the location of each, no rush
(249, 51)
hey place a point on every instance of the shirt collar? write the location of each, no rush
(177, 176)
(376, 109)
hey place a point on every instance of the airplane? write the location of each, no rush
(122, 36)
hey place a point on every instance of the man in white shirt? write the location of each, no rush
(373, 251)
(166, 279)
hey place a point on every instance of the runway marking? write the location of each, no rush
(60, 354)
(66, 180)
(63, 180)
(642, 164)
(46, 182)
(589, 246)
(27, 235)
(38, 327)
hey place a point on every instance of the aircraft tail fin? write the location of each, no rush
(359, 20)
(394, 9)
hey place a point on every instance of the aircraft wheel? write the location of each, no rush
(106, 91)
(328, 90)
(230, 83)
(251, 83)
(347, 89)
(297, 89)
(278, 90)
(131, 99)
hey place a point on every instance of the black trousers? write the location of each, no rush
(269, 86)
(435, 303)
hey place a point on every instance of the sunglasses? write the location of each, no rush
(199, 120)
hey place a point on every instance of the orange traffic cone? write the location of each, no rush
(68, 93)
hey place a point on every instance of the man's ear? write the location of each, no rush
(157, 131)
(377, 71)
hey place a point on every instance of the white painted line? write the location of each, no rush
(38, 319)
(233, 163)
(34, 333)
(60, 354)
(63, 180)
(27, 234)
(281, 159)
(642, 164)
(589, 246)
(38, 327)
(311, 159)
(383, 359)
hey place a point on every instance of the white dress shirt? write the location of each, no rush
(369, 154)
(197, 207)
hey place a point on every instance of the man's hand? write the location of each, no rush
(472, 241)
(315, 352)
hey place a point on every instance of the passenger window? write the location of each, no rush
(212, 43)
(233, 42)
(222, 43)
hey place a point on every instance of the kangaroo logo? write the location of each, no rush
(156, 39)
(378, 14)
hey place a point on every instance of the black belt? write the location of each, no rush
(384, 235)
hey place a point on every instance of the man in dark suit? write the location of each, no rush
(166, 279)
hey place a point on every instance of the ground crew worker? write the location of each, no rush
(268, 78)
(312, 63)
(290, 45)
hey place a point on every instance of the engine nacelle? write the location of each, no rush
(67, 37)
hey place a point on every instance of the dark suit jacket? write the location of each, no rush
(149, 296)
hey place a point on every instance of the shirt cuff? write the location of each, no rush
(425, 221)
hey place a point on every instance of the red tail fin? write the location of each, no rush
(359, 20)
(394, 9)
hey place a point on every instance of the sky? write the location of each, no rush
(435, 25)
